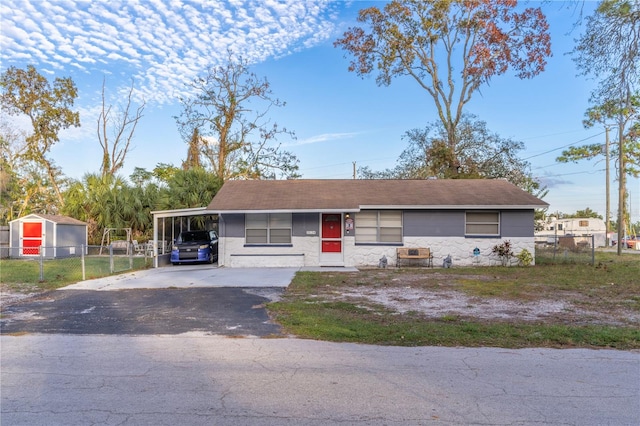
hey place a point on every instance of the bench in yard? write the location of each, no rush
(414, 253)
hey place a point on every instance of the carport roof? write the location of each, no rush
(354, 195)
(194, 211)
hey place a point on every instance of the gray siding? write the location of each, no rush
(422, 223)
(305, 222)
(71, 235)
(232, 225)
(517, 223)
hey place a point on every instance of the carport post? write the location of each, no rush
(155, 241)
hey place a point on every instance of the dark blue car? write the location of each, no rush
(195, 247)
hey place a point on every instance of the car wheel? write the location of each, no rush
(211, 259)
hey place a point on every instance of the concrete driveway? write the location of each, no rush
(194, 276)
(190, 276)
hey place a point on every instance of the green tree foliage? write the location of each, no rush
(479, 154)
(586, 213)
(190, 188)
(230, 112)
(105, 201)
(194, 152)
(27, 92)
(612, 113)
(11, 190)
(450, 48)
(609, 50)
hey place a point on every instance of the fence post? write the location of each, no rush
(130, 256)
(593, 250)
(41, 263)
(111, 265)
(82, 262)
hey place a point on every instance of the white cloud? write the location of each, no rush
(162, 44)
(324, 137)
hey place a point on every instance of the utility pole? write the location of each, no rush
(608, 208)
(621, 187)
(354, 170)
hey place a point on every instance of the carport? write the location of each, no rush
(167, 225)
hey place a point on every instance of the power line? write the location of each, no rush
(574, 173)
(565, 146)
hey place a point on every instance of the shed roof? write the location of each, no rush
(357, 194)
(59, 219)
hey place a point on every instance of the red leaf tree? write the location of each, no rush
(450, 48)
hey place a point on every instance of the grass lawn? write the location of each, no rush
(24, 275)
(560, 306)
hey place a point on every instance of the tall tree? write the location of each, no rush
(609, 50)
(121, 126)
(11, 191)
(189, 188)
(49, 110)
(451, 48)
(230, 111)
(479, 154)
(194, 152)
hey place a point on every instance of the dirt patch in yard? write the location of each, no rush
(487, 297)
(456, 304)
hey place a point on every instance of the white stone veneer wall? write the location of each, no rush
(270, 256)
(460, 249)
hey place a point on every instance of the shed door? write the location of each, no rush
(31, 238)
(331, 241)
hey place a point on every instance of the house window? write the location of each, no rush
(268, 228)
(482, 223)
(583, 223)
(383, 226)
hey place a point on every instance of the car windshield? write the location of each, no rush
(194, 236)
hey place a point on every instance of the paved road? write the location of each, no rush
(161, 358)
(212, 380)
(233, 311)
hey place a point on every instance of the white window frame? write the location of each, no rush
(277, 228)
(474, 219)
(374, 227)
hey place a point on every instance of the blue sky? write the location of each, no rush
(338, 117)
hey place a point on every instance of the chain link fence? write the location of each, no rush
(566, 249)
(72, 263)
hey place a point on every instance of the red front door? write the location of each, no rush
(31, 238)
(331, 239)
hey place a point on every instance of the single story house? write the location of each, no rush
(298, 223)
(57, 236)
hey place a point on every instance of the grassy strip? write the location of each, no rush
(311, 306)
(344, 322)
(24, 275)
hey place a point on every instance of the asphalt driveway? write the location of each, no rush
(229, 311)
(169, 300)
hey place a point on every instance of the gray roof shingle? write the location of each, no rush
(355, 194)
(59, 219)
